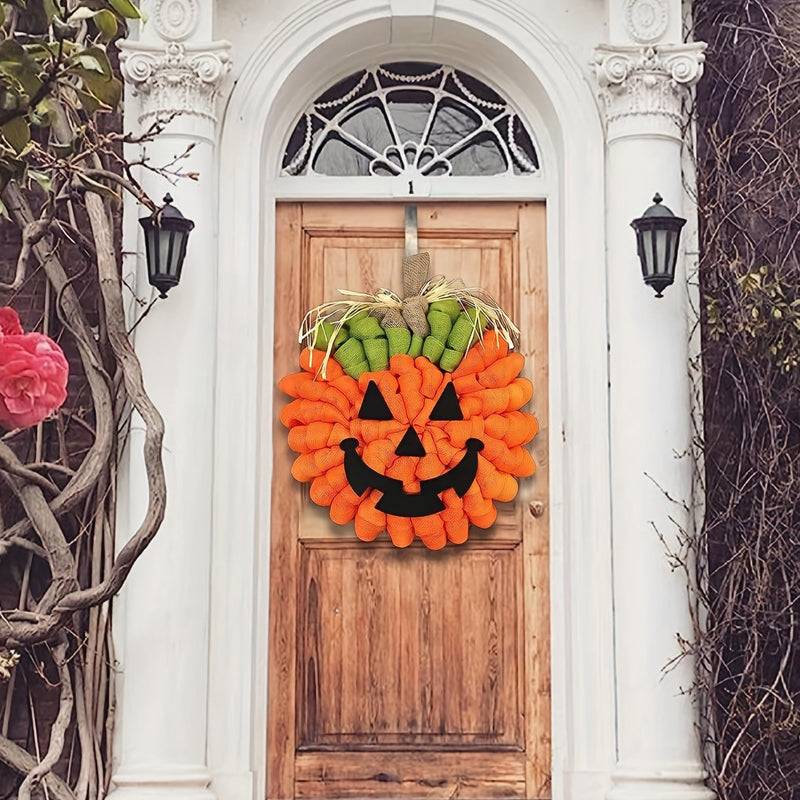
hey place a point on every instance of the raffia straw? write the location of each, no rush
(338, 312)
(440, 288)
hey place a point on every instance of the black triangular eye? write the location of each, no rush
(447, 406)
(373, 406)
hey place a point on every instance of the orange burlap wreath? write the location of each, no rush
(463, 428)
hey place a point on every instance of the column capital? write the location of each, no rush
(175, 78)
(644, 88)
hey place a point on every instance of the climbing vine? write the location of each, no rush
(748, 113)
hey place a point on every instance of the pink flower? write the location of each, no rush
(9, 321)
(33, 374)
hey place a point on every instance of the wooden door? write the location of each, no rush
(409, 673)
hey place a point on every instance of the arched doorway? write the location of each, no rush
(411, 669)
(262, 112)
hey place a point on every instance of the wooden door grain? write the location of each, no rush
(409, 673)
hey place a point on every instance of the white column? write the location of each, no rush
(644, 89)
(161, 622)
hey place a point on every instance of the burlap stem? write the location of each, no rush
(415, 307)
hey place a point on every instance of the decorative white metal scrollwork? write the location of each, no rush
(410, 120)
(411, 160)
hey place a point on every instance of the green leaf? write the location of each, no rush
(96, 186)
(17, 133)
(17, 63)
(125, 8)
(12, 51)
(99, 54)
(46, 109)
(11, 101)
(107, 90)
(50, 10)
(106, 23)
(91, 105)
(64, 31)
(105, 20)
(88, 62)
(2, 14)
(41, 51)
(10, 167)
(91, 62)
(42, 178)
(81, 13)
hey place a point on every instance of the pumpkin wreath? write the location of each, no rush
(407, 412)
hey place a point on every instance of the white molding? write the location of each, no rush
(412, 8)
(412, 20)
(500, 187)
(175, 78)
(646, 20)
(320, 41)
(184, 785)
(682, 782)
(176, 20)
(645, 89)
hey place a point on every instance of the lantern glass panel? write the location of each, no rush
(661, 240)
(164, 239)
(183, 240)
(672, 252)
(646, 251)
(152, 253)
(163, 250)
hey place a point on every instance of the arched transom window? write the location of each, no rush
(410, 119)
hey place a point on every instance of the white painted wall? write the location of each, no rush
(611, 712)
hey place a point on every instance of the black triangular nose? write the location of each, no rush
(410, 445)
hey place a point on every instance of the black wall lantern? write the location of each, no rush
(166, 233)
(658, 232)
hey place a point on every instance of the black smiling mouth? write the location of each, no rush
(395, 499)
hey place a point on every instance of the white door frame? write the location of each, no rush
(322, 41)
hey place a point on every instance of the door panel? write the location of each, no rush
(409, 673)
(396, 629)
(422, 774)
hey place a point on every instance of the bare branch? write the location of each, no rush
(154, 424)
(32, 233)
(59, 729)
(59, 556)
(23, 762)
